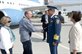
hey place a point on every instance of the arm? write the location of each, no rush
(28, 25)
(4, 39)
(43, 19)
(75, 39)
(57, 29)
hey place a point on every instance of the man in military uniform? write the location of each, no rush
(54, 28)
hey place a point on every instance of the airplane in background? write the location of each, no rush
(14, 8)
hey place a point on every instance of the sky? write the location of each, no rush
(35, 0)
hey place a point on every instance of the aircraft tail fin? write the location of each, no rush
(47, 2)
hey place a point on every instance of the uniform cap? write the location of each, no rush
(52, 7)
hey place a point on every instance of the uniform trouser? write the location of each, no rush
(27, 47)
(77, 53)
(4, 52)
(53, 49)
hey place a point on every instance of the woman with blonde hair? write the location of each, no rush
(7, 37)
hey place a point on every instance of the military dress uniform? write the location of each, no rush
(54, 28)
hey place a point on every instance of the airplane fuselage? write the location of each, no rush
(13, 9)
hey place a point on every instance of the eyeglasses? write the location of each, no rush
(9, 21)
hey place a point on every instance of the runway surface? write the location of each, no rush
(41, 47)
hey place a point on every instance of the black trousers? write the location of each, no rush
(77, 53)
(27, 47)
(44, 35)
(45, 28)
(4, 52)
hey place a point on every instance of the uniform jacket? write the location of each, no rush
(54, 28)
(75, 37)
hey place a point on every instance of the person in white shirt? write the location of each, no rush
(75, 34)
(7, 37)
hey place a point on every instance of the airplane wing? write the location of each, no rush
(63, 4)
(36, 8)
(56, 5)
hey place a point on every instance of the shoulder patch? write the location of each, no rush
(57, 21)
(56, 16)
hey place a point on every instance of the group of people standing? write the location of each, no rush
(51, 26)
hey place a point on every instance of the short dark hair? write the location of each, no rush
(26, 12)
(59, 13)
(76, 15)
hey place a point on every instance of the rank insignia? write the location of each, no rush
(57, 21)
(56, 37)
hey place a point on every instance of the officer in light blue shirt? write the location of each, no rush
(54, 28)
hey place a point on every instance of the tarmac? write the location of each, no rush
(41, 47)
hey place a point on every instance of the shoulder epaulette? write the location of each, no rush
(56, 16)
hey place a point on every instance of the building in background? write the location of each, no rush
(46, 2)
